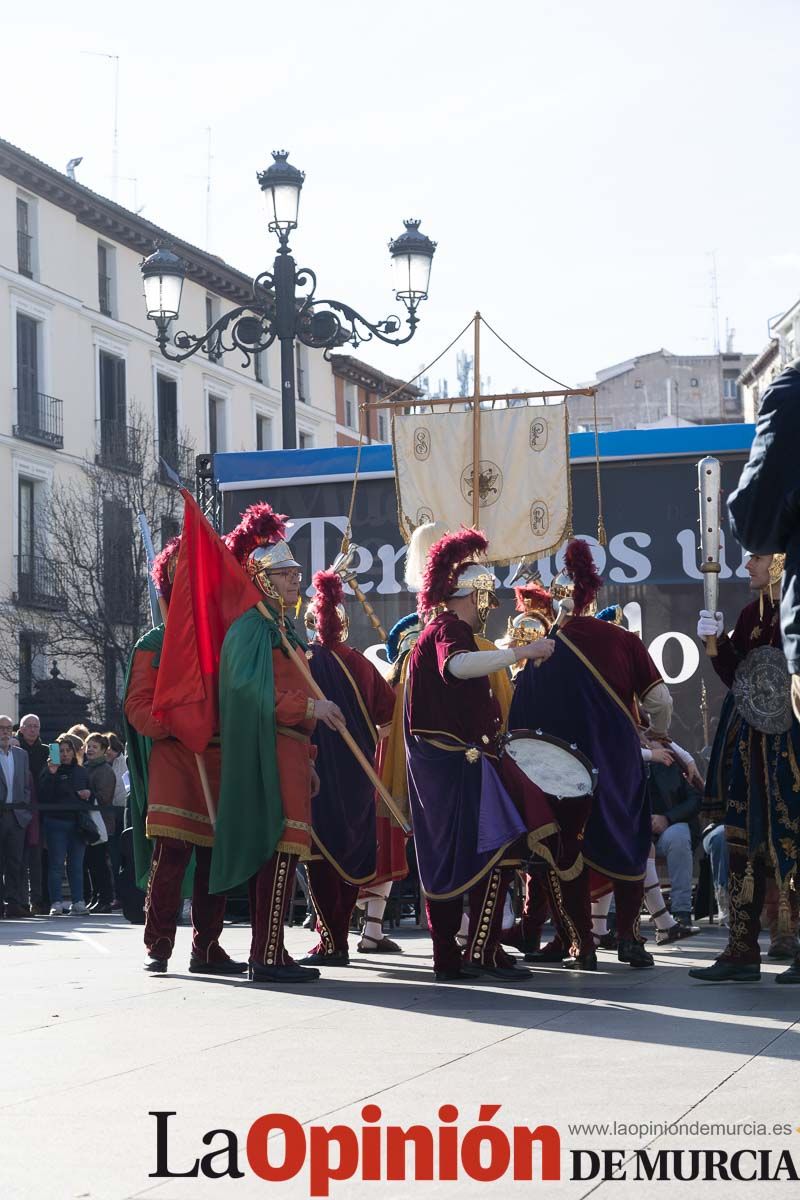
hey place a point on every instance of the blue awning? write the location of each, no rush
(256, 467)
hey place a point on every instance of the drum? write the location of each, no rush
(556, 767)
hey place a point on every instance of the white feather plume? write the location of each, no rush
(423, 537)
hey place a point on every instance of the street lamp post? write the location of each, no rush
(284, 305)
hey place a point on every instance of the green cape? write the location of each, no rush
(250, 813)
(137, 752)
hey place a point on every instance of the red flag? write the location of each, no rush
(209, 591)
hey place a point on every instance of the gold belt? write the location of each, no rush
(292, 733)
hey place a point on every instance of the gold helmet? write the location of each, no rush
(776, 568)
(265, 559)
(476, 577)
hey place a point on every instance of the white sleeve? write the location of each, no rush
(647, 754)
(683, 755)
(473, 664)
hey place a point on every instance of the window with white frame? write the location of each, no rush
(261, 367)
(213, 314)
(263, 431)
(106, 279)
(382, 427)
(216, 423)
(351, 405)
(305, 440)
(301, 364)
(26, 236)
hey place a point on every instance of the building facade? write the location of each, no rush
(665, 389)
(82, 381)
(782, 349)
(357, 383)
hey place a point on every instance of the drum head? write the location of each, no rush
(558, 769)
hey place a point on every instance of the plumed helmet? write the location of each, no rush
(326, 613)
(164, 567)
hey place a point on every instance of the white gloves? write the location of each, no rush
(710, 624)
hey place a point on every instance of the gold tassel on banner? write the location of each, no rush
(784, 912)
(602, 536)
(748, 886)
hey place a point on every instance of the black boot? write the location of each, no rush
(728, 970)
(290, 973)
(634, 954)
(584, 962)
(222, 966)
(553, 952)
(792, 975)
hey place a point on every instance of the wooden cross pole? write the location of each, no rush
(476, 423)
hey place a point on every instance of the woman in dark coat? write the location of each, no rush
(103, 784)
(63, 792)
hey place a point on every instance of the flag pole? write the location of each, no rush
(360, 757)
(476, 424)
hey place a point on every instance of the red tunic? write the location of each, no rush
(176, 805)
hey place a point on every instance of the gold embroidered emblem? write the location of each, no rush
(472, 755)
(490, 483)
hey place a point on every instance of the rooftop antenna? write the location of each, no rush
(714, 302)
(115, 151)
(71, 165)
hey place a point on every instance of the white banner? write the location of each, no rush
(523, 478)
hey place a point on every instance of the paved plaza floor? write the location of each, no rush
(91, 1045)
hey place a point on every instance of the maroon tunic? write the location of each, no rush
(618, 656)
(438, 702)
(751, 631)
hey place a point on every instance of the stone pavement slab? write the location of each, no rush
(90, 1045)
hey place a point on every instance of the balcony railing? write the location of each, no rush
(41, 583)
(118, 446)
(40, 419)
(104, 294)
(24, 256)
(179, 459)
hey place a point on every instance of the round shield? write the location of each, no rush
(762, 690)
(557, 768)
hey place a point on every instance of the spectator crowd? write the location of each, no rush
(62, 809)
(61, 822)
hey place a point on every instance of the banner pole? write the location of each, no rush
(476, 423)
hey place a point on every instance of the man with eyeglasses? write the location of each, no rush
(267, 715)
(15, 816)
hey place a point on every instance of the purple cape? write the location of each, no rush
(463, 817)
(564, 698)
(343, 813)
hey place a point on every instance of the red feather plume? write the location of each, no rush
(159, 572)
(441, 569)
(533, 593)
(259, 526)
(329, 592)
(579, 565)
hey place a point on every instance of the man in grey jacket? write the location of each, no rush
(15, 816)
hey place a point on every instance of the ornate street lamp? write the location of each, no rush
(284, 306)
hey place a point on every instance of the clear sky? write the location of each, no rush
(577, 161)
